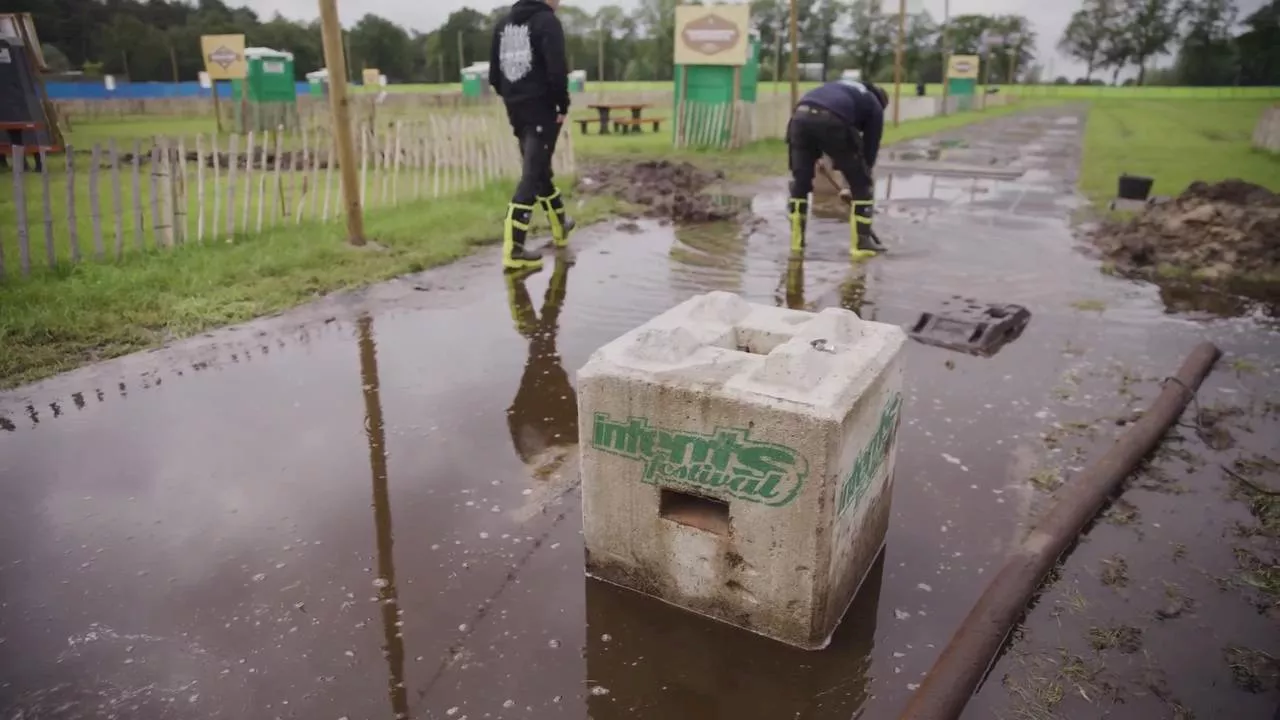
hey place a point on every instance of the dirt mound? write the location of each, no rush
(667, 189)
(1216, 231)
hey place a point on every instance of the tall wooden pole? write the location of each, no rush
(897, 59)
(339, 106)
(173, 63)
(462, 62)
(795, 57)
(600, 61)
(946, 54)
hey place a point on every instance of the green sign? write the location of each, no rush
(872, 457)
(725, 462)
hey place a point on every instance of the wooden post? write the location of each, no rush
(200, 187)
(181, 226)
(795, 57)
(334, 58)
(95, 202)
(217, 110)
(72, 229)
(946, 53)
(173, 63)
(248, 184)
(49, 251)
(18, 162)
(733, 109)
(897, 59)
(137, 195)
(117, 201)
(682, 109)
(233, 164)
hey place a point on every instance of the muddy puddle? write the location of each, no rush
(368, 507)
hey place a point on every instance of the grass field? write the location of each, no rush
(1175, 141)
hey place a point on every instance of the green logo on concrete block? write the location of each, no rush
(725, 462)
(872, 457)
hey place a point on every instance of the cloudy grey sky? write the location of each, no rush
(1048, 16)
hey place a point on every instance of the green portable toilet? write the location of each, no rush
(578, 81)
(271, 99)
(962, 80)
(708, 97)
(475, 80)
(318, 82)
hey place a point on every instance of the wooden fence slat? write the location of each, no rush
(216, 216)
(200, 187)
(18, 161)
(248, 184)
(279, 182)
(328, 177)
(262, 187)
(233, 169)
(294, 174)
(419, 162)
(156, 217)
(182, 216)
(395, 169)
(95, 202)
(138, 199)
(73, 231)
(117, 197)
(433, 137)
(364, 165)
(313, 198)
(50, 252)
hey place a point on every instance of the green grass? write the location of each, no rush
(58, 319)
(1175, 142)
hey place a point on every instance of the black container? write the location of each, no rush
(1134, 187)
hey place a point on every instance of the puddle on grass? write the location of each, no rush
(206, 531)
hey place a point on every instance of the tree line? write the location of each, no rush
(1203, 36)
(159, 40)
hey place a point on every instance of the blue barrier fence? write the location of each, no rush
(140, 91)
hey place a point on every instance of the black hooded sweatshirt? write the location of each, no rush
(527, 64)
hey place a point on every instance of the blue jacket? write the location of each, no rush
(854, 103)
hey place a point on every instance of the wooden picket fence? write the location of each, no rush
(170, 191)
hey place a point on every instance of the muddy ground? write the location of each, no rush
(368, 507)
(661, 188)
(1219, 231)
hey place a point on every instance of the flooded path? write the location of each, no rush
(367, 508)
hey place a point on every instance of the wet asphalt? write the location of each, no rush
(368, 508)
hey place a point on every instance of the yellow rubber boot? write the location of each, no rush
(515, 230)
(863, 243)
(798, 214)
(561, 224)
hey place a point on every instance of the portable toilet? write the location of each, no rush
(708, 91)
(318, 82)
(271, 99)
(578, 81)
(475, 80)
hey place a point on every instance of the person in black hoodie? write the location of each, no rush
(843, 120)
(528, 69)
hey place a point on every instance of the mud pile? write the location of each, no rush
(1223, 230)
(665, 189)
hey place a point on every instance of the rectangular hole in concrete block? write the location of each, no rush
(756, 342)
(695, 511)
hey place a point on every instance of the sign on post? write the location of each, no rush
(963, 67)
(712, 34)
(369, 76)
(224, 56)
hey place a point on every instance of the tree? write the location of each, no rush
(870, 42)
(54, 58)
(1152, 26)
(1207, 56)
(1259, 47)
(1085, 34)
(376, 42)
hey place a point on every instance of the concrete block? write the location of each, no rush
(1266, 135)
(737, 461)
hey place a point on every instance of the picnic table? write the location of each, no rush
(625, 125)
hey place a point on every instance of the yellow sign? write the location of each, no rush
(369, 76)
(963, 67)
(223, 56)
(712, 34)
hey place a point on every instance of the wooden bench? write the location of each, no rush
(585, 122)
(626, 125)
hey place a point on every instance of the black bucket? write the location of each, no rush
(1135, 187)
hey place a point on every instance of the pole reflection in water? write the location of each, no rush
(657, 661)
(388, 601)
(544, 414)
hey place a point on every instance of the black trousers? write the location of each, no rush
(813, 133)
(537, 146)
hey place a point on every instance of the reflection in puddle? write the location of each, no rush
(544, 413)
(650, 660)
(388, 599)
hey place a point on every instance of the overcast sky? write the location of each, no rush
(1048, 16)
